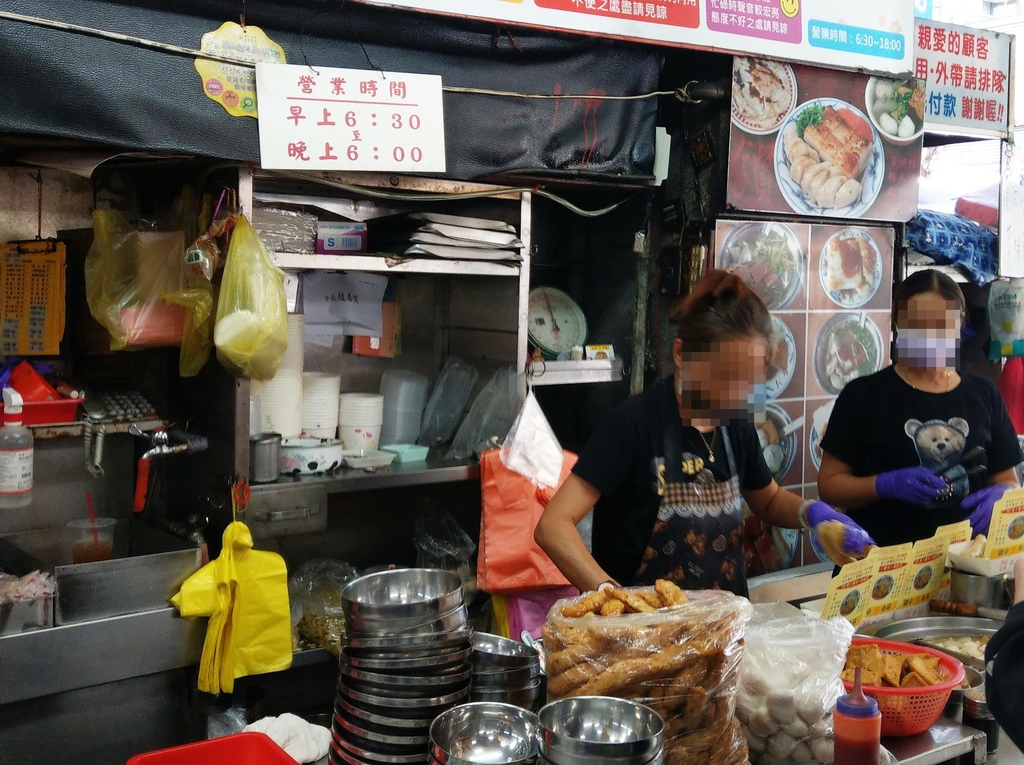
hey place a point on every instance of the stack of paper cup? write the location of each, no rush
(282, 395)
(405, 394)
(360, 416)
(320, 392)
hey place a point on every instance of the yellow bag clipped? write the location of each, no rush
(245, 594)
(251, 333)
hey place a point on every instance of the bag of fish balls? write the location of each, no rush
(789, 684)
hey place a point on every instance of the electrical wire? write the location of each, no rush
(179, 50)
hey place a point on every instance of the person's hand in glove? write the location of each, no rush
(835, 534)
(916, 485)
(980, 505)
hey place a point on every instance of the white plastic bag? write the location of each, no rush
(489, 418)
(789, 684)
(531, 448)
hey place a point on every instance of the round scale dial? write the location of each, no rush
(556, 323)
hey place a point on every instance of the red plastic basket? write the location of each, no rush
(909, 711)
(250, 748)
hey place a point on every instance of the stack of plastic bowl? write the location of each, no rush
(597, 730)
(507, 672)
(405, 394)
(404, 661)
(281, 396)
(360, 416)
(484, 734)
(320, 391)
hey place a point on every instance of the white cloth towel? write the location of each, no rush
(303, 741)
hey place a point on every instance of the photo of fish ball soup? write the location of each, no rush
(768, 257)
(896, 108)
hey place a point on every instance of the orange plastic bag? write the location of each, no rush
(509, 560)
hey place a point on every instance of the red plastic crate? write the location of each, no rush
(248, 748)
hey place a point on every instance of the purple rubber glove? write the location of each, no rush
(854, 540)
(916, 485)
(981, 503)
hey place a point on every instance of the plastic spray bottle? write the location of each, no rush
(16, 454)
(858, 727)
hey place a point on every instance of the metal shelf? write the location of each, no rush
(74, 429)
(434, 471)
(574, 372)
(389, 264)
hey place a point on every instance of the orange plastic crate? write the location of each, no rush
(248, 748)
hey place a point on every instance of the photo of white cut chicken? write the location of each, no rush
(820, 171)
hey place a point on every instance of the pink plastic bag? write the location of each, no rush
(527, 611)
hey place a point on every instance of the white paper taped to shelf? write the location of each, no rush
(349, 119)
(343, 304)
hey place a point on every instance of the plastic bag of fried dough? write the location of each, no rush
(789, 684)
(676, 652)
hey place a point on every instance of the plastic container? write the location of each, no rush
(360, 416)
(320, 402)
(909, 711)
(978, 716)
(250, 748)
(17, 454)
(405, 394)
(407, 453)
(92, 542)
(857, 723)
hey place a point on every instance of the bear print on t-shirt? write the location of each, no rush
(939, 443)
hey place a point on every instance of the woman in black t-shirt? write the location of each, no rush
(919, 445)
(667, 471)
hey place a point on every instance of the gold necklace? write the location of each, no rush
(714, 434)
(906, 378)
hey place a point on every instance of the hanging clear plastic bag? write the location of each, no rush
(789, 684)
(531, 448)
(316, 587)
(447, 401)
(442, 543)
(489, 419)
(251, 333)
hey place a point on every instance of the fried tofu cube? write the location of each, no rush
(917, 665)
(868, 657)
(893, 670)
(914, 680)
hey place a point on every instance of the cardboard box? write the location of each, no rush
(389, 344)
(334, 237)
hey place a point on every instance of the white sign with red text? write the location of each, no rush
(349, 120)
(968, 76)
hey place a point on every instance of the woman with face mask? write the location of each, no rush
(919, 445)
(667, 471)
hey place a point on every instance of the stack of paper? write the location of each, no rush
(460, 238)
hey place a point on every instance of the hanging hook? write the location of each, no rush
(39, 210)
(241, 17)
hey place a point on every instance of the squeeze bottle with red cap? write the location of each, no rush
(16, 453)
(858, 727)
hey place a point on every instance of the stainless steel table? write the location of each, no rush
(948, 740)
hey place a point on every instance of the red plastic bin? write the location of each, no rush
(248, 748)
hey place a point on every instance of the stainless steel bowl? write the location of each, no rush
(424, 704)
(928, 628)
(452, 662)
(407, 646)
(497, 651)
(400, 746)
(383, 719)
(512, 678)
(484, 734)
(402, 593)
(451, 621)
(528, 696)
(372, 757)
(577, 730)
(340, 755)
(410, 686)
(418, 737)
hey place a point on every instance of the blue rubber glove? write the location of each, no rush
(981, 503)
(916, 485)
(855, 539)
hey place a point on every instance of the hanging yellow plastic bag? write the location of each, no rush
(244, 592)
(126, 270)
(195, 339)
(251, 333)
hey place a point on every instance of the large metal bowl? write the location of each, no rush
(425, 704)
(927, 628)
(575, 731)
(513, 678)
(407, 646)
(497, 651)
(450, 621)
(484, 734)
(408, 737)
(405, 686)
(528, 696)
(369, 757)
(383, 718)
(402, 593)
(442, 664)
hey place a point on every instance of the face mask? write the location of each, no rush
(926, 348)
(698, 402)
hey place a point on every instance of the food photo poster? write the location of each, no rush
(827, 287)
(824, 143)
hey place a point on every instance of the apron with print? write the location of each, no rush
(697, 541)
